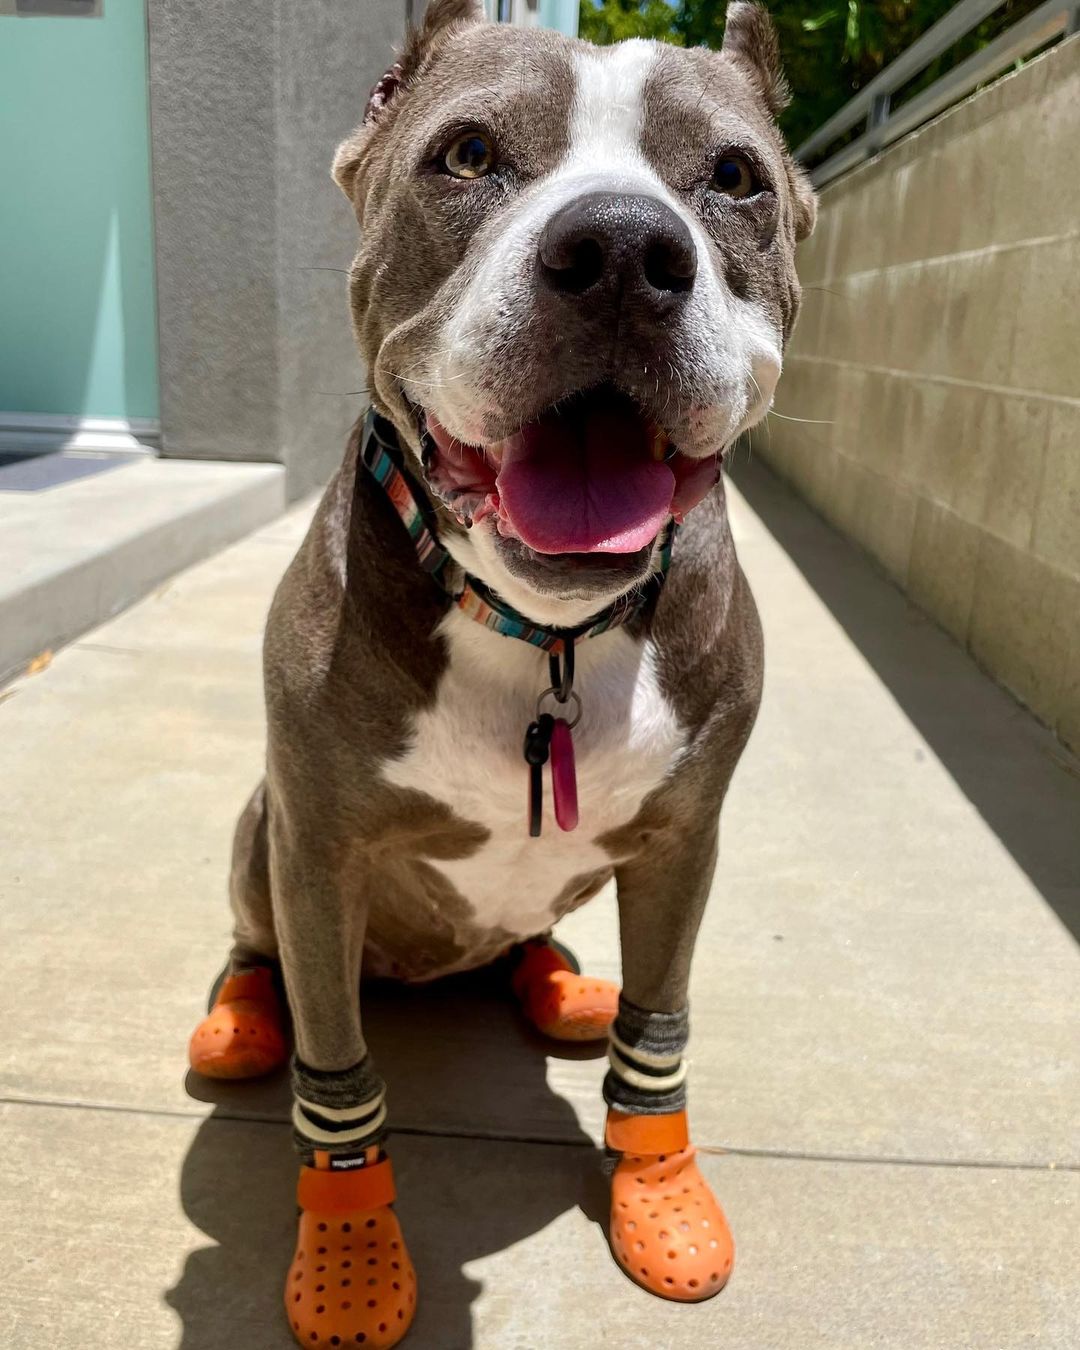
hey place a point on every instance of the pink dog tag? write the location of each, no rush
(563, 776)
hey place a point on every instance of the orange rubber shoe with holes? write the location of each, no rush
(560, 1002)
(243, 1035)
(351, 1281)
(668, 1231)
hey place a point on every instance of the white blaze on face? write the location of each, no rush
(608, 117)
(731, 350)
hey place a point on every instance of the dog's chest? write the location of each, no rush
(466, 751)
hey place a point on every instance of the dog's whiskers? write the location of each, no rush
(809, 421)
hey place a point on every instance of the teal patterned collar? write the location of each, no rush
(381, 454)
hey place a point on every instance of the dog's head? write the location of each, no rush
(574, 284)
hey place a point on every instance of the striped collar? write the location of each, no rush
(382, 457)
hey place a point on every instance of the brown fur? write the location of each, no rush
(750, 41)
(333, 866)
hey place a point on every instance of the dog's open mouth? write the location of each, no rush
(592, 475)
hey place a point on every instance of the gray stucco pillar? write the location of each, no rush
(247, 105)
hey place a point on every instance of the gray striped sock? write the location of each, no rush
(340, 1112)
(647, 1073)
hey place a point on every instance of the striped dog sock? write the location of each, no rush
(647, 1073)
(338, 1112)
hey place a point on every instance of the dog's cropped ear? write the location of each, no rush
(440, 18)
(750, 41)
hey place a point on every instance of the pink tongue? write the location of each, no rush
(590, 489)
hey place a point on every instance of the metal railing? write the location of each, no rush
(873, 105)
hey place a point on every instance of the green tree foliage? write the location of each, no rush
(832, 48)
(615, 20)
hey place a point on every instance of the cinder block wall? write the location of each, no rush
(938, 356)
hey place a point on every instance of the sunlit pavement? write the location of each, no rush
(885, 1036)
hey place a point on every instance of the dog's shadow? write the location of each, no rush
(467, 1087)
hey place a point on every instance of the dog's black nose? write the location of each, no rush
(608, 240)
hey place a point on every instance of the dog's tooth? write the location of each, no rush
(660, 444)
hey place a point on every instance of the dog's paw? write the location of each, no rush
(667, 1230)
(243, 1035)
(351, 1282)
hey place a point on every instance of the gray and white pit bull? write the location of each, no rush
(573, 290)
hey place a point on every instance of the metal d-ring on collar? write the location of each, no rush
(562, 682)
(571, 697)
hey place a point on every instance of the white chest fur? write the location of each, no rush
(467, 752)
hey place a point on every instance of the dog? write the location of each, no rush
(515, 656)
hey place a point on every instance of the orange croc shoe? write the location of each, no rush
(243, 1035)
(558, 1001)
(351, 1281)
(668, 1231)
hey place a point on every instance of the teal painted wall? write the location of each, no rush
(560, 14)
(78, 331)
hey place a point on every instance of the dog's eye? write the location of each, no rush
(470, 156)
(734, 177)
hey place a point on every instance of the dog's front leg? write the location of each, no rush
(667, 1230)
(351, 1281)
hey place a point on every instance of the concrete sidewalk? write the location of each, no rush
(886, 1049)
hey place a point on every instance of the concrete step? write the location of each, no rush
(79, 545)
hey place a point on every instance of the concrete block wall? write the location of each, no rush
(937, 360)
(248, 102)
